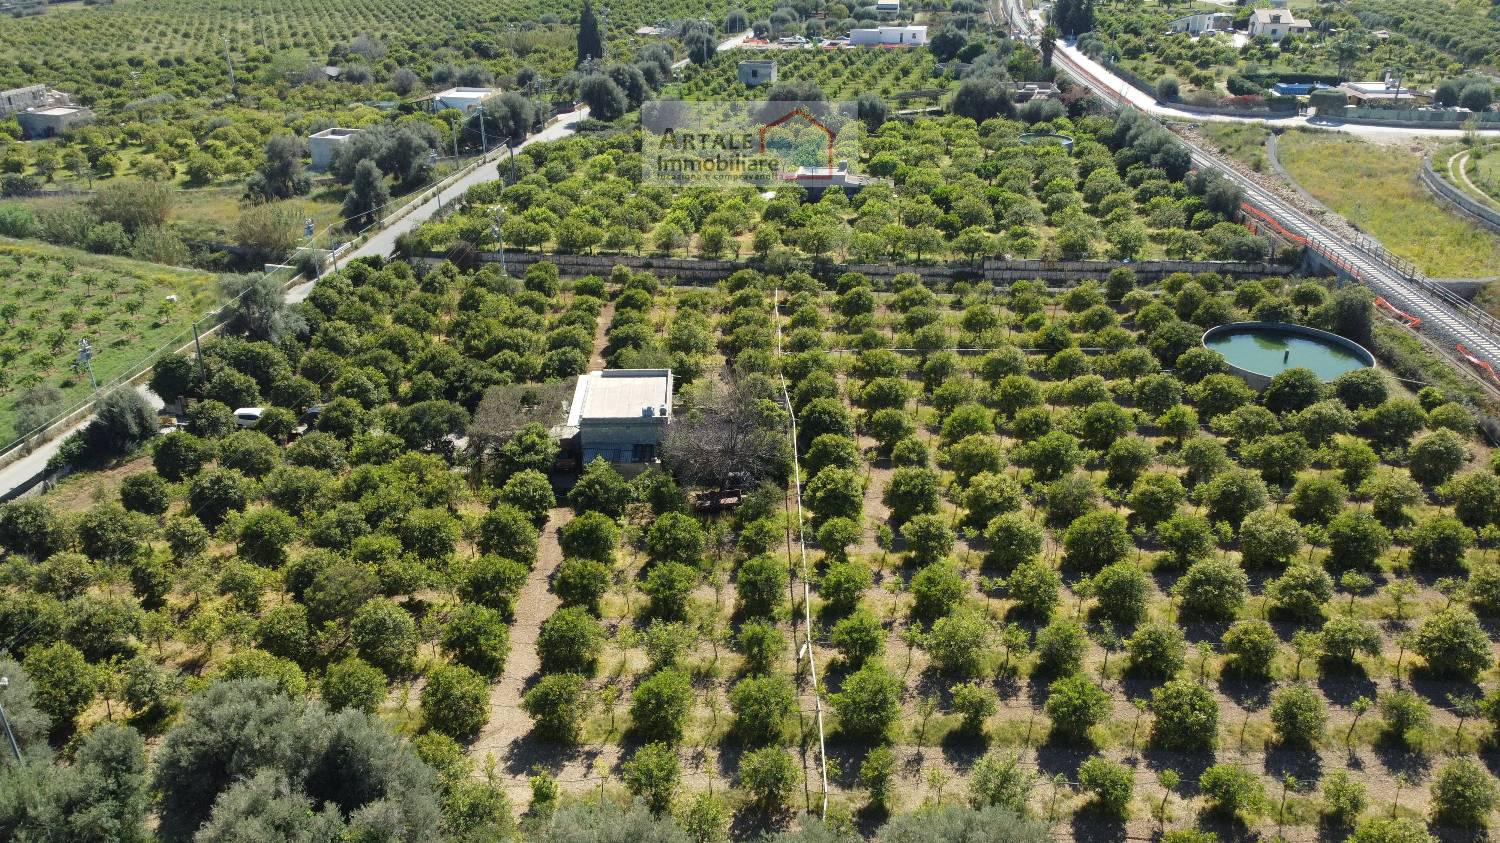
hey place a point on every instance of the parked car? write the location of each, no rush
(248, 416)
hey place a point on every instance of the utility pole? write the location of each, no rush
(499, 240)
(512, 151)
(86, 361)
(229, 61)
(198, 352)
(484, 142)
(310, 233)
(5, 721)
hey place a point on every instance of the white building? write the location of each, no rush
(463, 99)
(621, 414)
(885, 36)
(754, 72)
(52, 120)
(892, 7)
(325, 144)
(1206, 22)
(1276, 24)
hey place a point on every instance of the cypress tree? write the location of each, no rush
(590, 40)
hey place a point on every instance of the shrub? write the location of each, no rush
(1123, 591)
(1111, 784)
(1405, 717)
(1342, 638)
(456, 702)
(1095, 541)
(869, 702)
(761, 706)
(652, 775)
(1389, 830)
(557, 705)
(761, 585)
(975, 704)
(1250, 645)
(761, 644)
(958, 642)
(592, 535)
(1232, 789)
(1012, 538)
(1034, 586)
(1076, 704)
(1301, 592)
(1157, 649)
(1453, 644)
(385, 635)
(1298, 716)
(928, 538)
(1060, 647)
(936, 590)
(1186, 716)
(1436, 456)
(769, 776)
(1463, 795)
(1000, 780)
(660, 705)
(1214, 589)
(570, 641)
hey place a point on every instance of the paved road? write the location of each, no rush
(1028, 25)
(28, 467)
(383, 243)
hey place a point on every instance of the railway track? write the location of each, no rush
(1447, 320)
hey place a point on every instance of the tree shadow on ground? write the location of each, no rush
(1092, 826)
(1344, 690)
(1305, 764)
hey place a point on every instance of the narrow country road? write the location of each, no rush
(1027, 24)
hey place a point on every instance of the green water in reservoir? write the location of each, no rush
(1271, 353)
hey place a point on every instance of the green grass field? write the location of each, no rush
(1375, 187)
(1244, 142)
(54, 297)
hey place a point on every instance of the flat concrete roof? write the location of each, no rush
(57, 110)
(621, 394)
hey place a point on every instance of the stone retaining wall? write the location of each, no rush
(1059, 273)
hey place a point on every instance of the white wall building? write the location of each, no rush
(754, 72)
(884, 36)
(463, 99)
(325, 144)
(621, 414)
(1277, 24)
(1206, 22)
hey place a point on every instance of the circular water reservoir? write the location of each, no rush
(1259, 351)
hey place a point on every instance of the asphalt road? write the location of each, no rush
(383, 243)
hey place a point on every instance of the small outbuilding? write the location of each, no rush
(325, 144)
(621, 415)
(889, 36)
(463, 99)
(51, 121)
(754, 72)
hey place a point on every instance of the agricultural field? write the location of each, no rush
(1214, 68)
(954, 190)
(1112, 589)
(54, 297)
(1375, 187)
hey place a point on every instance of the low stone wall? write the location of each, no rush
(1057, 273)
(1457, 199)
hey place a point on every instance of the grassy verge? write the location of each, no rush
(1244, 142)
(1376, 188)
(54, 297)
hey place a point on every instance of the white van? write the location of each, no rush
(248, 416)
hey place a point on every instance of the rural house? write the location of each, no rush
(621, 415)
(1276, 24)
